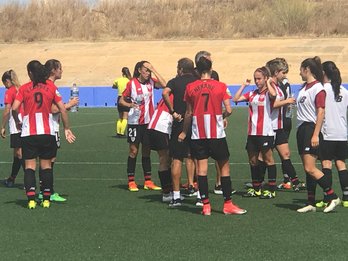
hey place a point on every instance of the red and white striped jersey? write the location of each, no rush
(335, 123)
(277, 113)
(142, 94)
(306, 108)
(260, 109)
(162, 120)
(206, 97)
(55, 116)
(10, 96)
(37, 103)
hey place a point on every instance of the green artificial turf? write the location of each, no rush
(101, 220)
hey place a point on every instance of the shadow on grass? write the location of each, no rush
(297, 203)
(20, 202)
(120, 186)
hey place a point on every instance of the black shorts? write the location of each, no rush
(304, 135)
(333, 150)
(281, 137)
(15, 141)
(205, 148)
(179, 150)
(138, 134)
(121, 108)
(42, 146)
(158, 140)
(259, 143)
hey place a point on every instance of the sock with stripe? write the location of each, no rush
(262, 170)
(272, 177)
(328, 173)
(47, 183)
(131, 168)
(226, 188)
(311, 184)
(255, 177)
(203, 188)
(343, 176)
(324, 183)
(16, 165)
(166, 180)
(146, 163)
(289, 169)
(30, 183)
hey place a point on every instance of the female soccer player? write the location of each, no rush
(204, 99)
(334, 145)
(310, 117)
(120, 84)
(260, 131)
(10, 81)
(139, 91)
(38, 135)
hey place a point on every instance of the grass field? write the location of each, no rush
(103, 221)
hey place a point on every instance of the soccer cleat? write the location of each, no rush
(45, 204)
(218, 190)
(32, 204)
(174, 203)
(149, 185)
(284, 185)
(132, 186)
(57, 198)
(345, 203)
(190, 192)
(167, 197)
(9, 183)
(233, 191)
(252, 193)
(231, 209)
(206, 210)
(199, 202)
(306, 209)
(331, 205)
(266, 194)
(321, 204)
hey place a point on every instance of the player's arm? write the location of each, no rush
(187, 122)
(320, 107)
(238, 97)
(271, 89)
(278, 103)
(5, 118)
(165, 95)
(70, 137)
(15, 108)
(72, 102)
(228, 109)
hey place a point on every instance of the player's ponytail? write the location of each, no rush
(37, 72)
(333, 74)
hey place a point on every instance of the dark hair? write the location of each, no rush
(264, 71)
(277, 65)
(37, 72)
(314, 65)
(125, 72)
(138, 65)
(12, 77)
(203, 65)
(186, 65)
(201, 54)
(52, 64)
(333, 73)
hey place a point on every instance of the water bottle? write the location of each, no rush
(289, 108)
(138, 101)
(74, 92)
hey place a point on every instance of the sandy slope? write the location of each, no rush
(99, 63)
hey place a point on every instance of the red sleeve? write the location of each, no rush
(128, 91)
(186, 95)
(227, 94)
(57, 96)
(320, 99)
(246, 96)
(9, 96)
(19, 95)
